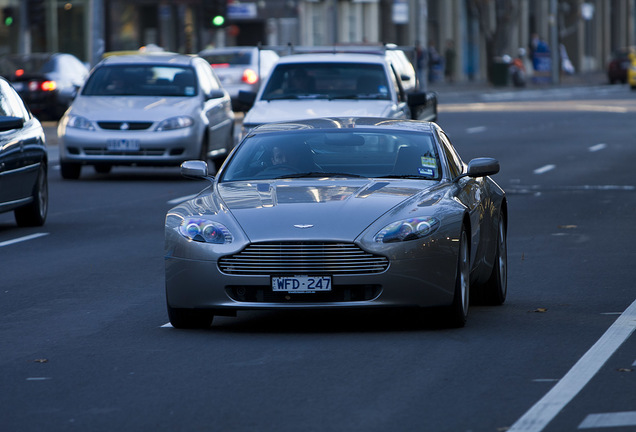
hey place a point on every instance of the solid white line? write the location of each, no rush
(605, 420)
(544, 169)
(598, 147)
(181, 199)
(476, 129)
(542, 413)
(38, 379)
(21, 239)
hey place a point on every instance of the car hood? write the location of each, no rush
(133, 108)
(286, 110)
(338, 210)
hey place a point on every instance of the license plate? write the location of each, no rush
(301, 284)
(123, 145)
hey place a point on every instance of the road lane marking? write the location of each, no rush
(544, 169)
(166, 325)
(181, 199)
(38, 379)
(546, 409)
(598, 147)
(476, 129)
(22, 239)
(607, 420)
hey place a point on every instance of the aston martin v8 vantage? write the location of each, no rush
(338, 213)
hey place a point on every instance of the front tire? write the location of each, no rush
(458, 311)
(190, 318)
(70, 170)
(35, 213)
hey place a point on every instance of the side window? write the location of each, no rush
(207, 79)
(455, 164)
(10, 103)
(397, 85)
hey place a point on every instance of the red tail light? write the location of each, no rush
(48, 85)
(220, 65)
(249, 76)
(19, 72)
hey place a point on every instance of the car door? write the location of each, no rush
(218, 110)
(21, 148)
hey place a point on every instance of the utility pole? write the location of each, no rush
(553, 22)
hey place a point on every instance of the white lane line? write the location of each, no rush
(607, 420)
(166, 325)
(598, 147)
(38, 378)
(544, 169)
(22, 239)
(181, 199)
(476, 129)
(542, 413)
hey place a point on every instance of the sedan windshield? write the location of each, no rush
(367, 154)
(327, 81)
(141, 80)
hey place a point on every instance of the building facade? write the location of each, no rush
(588, 30)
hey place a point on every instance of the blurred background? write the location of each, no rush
(457, 40)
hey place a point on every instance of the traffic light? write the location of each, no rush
(36, 12)
(8, 16)
(214, 13)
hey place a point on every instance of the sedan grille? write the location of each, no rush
(303, 258)
(117, 125)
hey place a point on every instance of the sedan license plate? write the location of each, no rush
(301, 284)
(123, 145)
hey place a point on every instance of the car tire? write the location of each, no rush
(70, 170)
(494, 291)
(458, 311)
(34, 214)
(190, 318)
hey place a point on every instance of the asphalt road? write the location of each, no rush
(84, 344)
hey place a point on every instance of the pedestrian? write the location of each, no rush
(434, 62)
(449, 61)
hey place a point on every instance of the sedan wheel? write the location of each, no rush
(459, 309)
(190, 318)
(35, 213)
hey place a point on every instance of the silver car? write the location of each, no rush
(240, 68)
(148, 109)
(338, 213)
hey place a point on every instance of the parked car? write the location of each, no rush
(240, 68)
(335, 84)
(47, 82)
(338, 213)
(23, 160)
(619, 64)
(149, 109)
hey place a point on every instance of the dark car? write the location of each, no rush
(46, 82)
(618, 65)
(23, 160)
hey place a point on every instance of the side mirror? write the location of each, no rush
(482, 167)
(246, 99)
(195, 169)
(216, 94)
(10, 123)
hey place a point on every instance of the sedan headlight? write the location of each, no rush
(173, 123)
(408, 229)
(205, 231)
(79, 122)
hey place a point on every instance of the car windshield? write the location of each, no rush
(327, 81)
(363, 153)
(141, 80)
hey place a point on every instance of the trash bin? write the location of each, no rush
(499, 72)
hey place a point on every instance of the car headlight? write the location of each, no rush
(79, 122)
(205, 231)
(173, 123)
(408, 229)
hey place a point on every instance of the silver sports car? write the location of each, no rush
(338, 213)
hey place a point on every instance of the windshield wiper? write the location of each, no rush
(406, 176)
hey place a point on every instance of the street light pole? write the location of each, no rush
(554, 40)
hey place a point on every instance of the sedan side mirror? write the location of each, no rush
(216, 94)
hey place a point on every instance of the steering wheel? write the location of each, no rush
(279, 170)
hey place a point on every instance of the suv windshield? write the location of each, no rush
(141, 80)
(327, 81)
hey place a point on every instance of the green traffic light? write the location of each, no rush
(8, 21)
(218, 20)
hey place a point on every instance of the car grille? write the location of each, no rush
(99, 151)
(303, 258)
(111, 125)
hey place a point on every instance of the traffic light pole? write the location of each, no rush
(24, 34)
